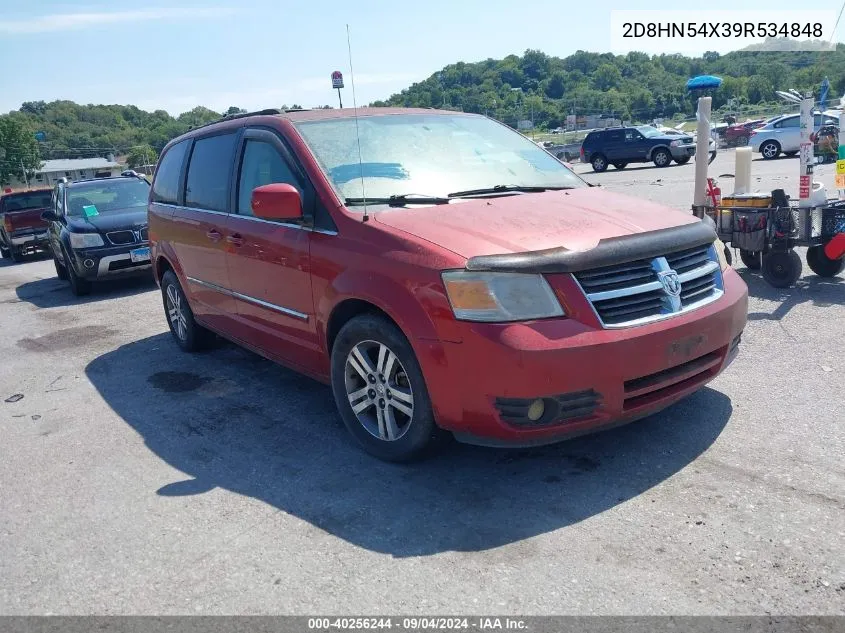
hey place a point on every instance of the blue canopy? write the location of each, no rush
(704, 81)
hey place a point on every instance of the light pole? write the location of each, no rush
(521, 104)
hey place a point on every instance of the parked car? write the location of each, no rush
(98, 230)
(473, 285)
(21, 228)
(563, 151)
(783, 134)
(642, 144)
(738, 135)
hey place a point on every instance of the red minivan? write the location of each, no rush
(441, 272)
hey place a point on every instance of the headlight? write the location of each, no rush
(496, 297)
(720, 253)
(85, 240)
(674, 143)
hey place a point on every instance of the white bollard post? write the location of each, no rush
(805, 181)
(742, 171)
(702, 147)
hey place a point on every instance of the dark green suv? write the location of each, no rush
(619, 146)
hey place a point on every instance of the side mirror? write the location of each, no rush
(50, 216)
(276, 201)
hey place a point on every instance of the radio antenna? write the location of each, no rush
(366, 215)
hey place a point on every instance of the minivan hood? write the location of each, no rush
(574, 219)
(133, 218)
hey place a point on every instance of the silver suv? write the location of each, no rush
(783, 134)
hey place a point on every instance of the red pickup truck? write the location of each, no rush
(21, 228)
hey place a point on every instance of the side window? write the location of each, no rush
(261, 165)
(207, 185)
(792, 121)
(631, 136)
(166, 184)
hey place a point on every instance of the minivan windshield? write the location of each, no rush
(24, 201)
(429, 155)
(107, 195)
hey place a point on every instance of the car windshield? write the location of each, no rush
(648, 131)
(428, 154)
(104, 196)
(24, 201)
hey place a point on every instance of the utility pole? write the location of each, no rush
(23, 171)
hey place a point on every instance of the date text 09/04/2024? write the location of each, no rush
(721, 29)
(417, 623)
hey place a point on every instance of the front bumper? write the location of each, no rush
(605, 377)
(30, 238)
(682, 151)
(110, 262)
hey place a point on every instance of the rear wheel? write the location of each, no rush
(379, 390)
(620, 165)
(753, 260)
(821, 264)
(770, 149)
(189, 335)
(782, 269)
(741, 141)
(599, 163)
(682, 161)
(662, 158)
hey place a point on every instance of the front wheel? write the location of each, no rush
(662, 158)
(782, 269)
(189, 335)
(78, 286)
(821, 264)
(61, 271)
(380, 391)
(682, 161)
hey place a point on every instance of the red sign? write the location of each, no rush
(804, 187)
(337, 79)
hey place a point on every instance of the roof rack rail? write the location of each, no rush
(239, 115)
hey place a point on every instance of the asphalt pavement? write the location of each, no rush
(136, 479)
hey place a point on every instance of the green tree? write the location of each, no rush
(141, 155)
(607, 76)
(18, 148)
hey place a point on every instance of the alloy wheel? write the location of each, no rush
(379, 391)
(176, 314)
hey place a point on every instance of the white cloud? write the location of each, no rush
(68, 21)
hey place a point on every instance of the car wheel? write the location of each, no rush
(770, 149)
(821, 264)
(599, 163)
(620, 165)
(782, 269)
(61, 271)
(189, 335)
(4, 252)
(15, 255)
(682, 161)
(753, 260)
(662, 158)
(741, 141)
(380, 391)
(78, 285)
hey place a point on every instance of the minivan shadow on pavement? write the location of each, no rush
(820, 291)
(233, 420)
(53, 292)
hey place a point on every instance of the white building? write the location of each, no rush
(73, 169)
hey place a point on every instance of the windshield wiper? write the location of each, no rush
(497, 189)
(398, 200)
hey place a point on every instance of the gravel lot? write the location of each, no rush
(135, 479)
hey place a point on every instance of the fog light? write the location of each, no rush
(536, 410)
(88, 263)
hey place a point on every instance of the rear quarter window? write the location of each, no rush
(166, 183)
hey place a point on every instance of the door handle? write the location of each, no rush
(235, 239)
(214, 235)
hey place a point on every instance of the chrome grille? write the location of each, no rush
(647, 290)
(121, 237)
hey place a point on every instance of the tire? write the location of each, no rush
(365, 337)
(78, 286)
(190, 336)
(782, 269)
(682, 161)
(662, 158)
(599, 163)
(821, 264)
(15, 255)
(5, 252)
(753, 260)
(770, 150)
(620, 165)
(790, 154)
(61, 271)
(741, 141)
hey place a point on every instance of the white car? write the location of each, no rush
(783, 134)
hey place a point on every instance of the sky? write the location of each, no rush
(257, 54)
